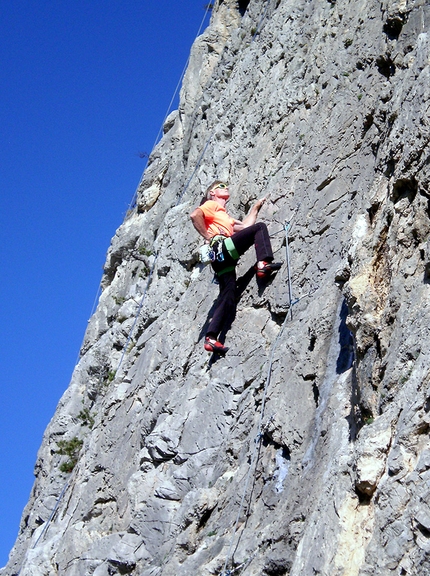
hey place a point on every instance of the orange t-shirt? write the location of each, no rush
(217, 220)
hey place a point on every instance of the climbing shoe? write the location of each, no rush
(265, 269)
(212, 345)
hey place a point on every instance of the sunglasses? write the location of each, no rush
(222, 186)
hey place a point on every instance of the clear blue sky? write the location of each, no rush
(84, 87)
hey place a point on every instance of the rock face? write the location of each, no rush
(306, 449)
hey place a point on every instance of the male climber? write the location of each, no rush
(230, 239)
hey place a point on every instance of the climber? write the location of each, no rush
(229, 239)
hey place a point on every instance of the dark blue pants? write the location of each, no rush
(225, 310)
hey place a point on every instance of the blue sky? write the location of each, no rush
(84, 88)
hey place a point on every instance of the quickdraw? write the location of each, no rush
(212, 252)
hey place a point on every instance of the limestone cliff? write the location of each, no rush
(306, 449)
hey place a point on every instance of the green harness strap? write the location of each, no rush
(224, 270)
(231, 249)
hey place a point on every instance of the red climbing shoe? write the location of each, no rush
(265, 269)
(212, 345)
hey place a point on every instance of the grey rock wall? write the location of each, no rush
(306, 449)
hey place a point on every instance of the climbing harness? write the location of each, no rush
(212, 252)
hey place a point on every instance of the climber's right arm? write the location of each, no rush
(198, 220)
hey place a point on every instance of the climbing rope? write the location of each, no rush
(134, 198)
(124, 350)
(260, 428)
(287, 249)
(45, 528)
(257, 30)
(241, 566)
(186, 186)
(133, 201)
(169, 108)
(52, 514)
(259, 434)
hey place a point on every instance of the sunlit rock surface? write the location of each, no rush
(306, 449)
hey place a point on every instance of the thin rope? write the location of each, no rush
(260, 429)
(124, 350)
(45, 528)
(199, 160)
(187, 184)
(181, 77)
(133, 201)
(290, 290)
(259, 434)
(257, 30)
(178, 200)
(93, 309)
(243, 565)
(52, 514)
